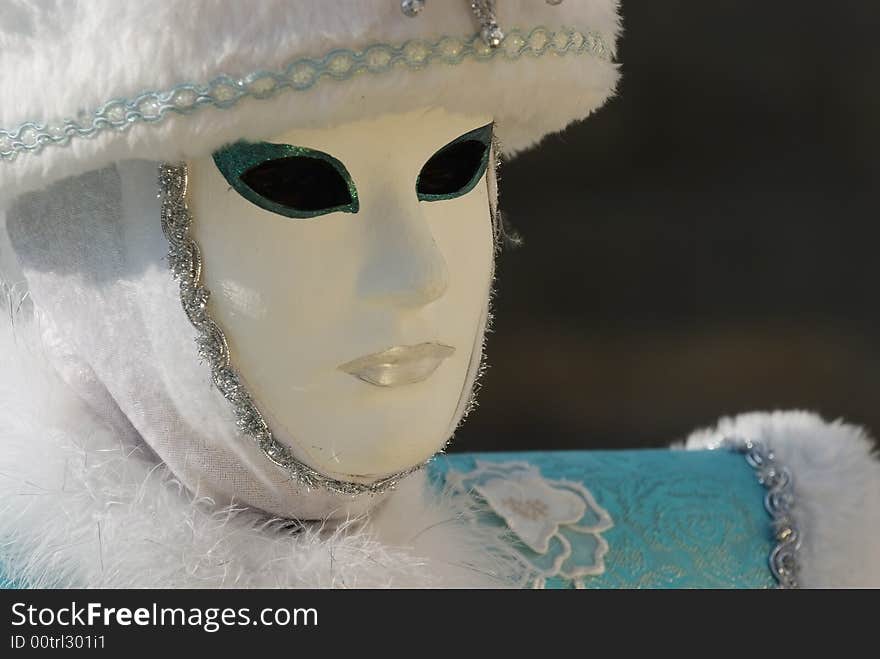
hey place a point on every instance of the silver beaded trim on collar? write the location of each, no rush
(185, 261)
(779, 502)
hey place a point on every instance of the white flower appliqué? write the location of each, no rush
(558, 522)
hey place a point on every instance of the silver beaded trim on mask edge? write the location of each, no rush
(185, 261)
(779, 502)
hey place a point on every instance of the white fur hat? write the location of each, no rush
(87, 84)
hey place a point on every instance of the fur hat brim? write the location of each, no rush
(166, 80)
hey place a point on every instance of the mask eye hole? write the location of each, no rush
(292, 181)
(456, 168)
(298, 182)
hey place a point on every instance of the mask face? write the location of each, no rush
(350, 269)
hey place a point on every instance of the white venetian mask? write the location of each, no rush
(349, 269)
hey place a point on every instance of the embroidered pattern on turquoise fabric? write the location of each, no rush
(682, 519)
(236, 159)
(558, 523)
(224, 91)
(482, 135)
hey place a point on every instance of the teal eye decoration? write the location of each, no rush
(456, 168)
(292, 181)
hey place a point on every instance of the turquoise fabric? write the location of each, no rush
(682, 519)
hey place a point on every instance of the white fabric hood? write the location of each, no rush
(92, 251)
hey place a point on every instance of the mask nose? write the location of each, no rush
(404, 267)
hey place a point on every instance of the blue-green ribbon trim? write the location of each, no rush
(341, 64)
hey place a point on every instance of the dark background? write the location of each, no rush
(703, 245)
